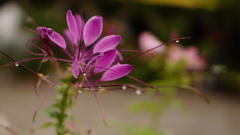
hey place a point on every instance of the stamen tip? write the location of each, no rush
(34, 116)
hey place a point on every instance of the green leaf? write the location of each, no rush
(46, 125)
(52, 114)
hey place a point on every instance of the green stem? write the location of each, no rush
(63, 106)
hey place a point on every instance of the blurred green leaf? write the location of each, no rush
(46, 125)
(142, 130)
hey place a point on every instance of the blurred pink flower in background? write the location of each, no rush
(190, 55)
(175, 52)
(148, 41)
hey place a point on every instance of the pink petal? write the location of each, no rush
(41, 29)
(90, 64)
(116, 72)
(72, 25)
(68, 35)
(75, 68)
(56, 38)
(80, 25)
(92, 30)
(107, 43)
(119, 57)
(105, 61)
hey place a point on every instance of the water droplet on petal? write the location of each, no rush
(16, 64)
(138, 92)
(80, 91)
(124, 87)
(84, 74)
(177, 41)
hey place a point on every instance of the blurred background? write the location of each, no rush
(206, 61)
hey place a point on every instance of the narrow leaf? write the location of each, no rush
(46, 125)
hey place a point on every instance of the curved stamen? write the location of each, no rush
(33, 53)
(96, 97)
(48, 92)
(35, 73)
(30, 30)
(136, 51)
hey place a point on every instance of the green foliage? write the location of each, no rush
(47, 125)
(128, 129)
(58, 110)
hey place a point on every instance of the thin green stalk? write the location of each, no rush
(63, 106)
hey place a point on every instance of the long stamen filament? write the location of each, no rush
(16, 62)
(48, 92)
(175, 40)
(96, 97)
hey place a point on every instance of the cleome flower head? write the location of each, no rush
(89, 55)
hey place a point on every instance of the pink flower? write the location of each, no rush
(91, 54)
(95, 56)
(195, 62)
(189, 55)
(148, 41)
